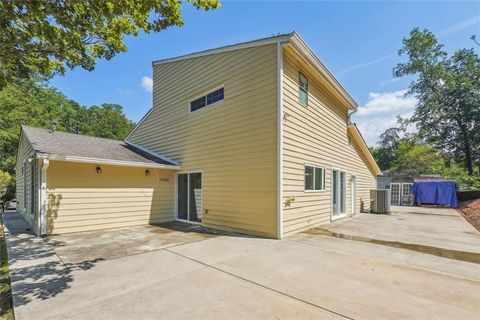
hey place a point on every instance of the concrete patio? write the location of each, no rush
(177, 272)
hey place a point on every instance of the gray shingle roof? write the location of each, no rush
(76, 145)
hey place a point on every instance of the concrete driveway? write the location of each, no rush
(415, 263)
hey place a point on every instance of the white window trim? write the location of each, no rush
(205, 95)
(300, 89)
(324, 182)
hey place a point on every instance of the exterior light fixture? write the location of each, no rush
(99, 170)
(147, 172)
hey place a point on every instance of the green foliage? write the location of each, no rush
(417, 159)
(448, 91)
(464, 180)
(37, 105)
(106, 121)
(385, 154)
(6, 184)
(401, 152)
(48, 37)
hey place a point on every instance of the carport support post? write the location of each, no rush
(42, 226)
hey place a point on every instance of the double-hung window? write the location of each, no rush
(302, 89)
(207, 99)
(314, 178)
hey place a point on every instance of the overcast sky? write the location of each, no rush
(358, 41)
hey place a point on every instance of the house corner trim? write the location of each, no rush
(279, 140)
(42, 217)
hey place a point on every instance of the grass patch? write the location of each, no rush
(6, 303)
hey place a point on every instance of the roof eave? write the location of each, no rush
(238, 46)
(59, 157)
(159, 156)
(301, 46)
(295, 40)
(363, 146)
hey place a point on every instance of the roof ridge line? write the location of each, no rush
(71, 133)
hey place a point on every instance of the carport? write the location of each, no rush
(70, 183)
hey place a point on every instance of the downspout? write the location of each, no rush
(349, 117)
(42, 226)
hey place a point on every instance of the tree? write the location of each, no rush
(107, 121)
(36, 104)
(417, 159)
(448, 93)
(385, 153)
(48, 37)
(7, 188)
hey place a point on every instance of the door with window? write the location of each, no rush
(339, 194)
(395, 194)
(189, 196)
(353, 193)
(407, 197)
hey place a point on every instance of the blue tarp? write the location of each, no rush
(436, 192)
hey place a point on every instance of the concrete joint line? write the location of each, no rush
(260, 285)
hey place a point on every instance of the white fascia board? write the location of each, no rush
(352, 128)
(58, 157)
(302, 47)
(153, 153)
(238, 46)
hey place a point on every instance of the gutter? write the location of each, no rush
(350, 113)
(59, 157)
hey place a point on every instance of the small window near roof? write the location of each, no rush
(215, 96)
(314, 178)
(197, 104)
(303, 89)
(208, 99)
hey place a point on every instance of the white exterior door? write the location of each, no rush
(407, 197)
(353, 193)
(395, 193)
(339, 194)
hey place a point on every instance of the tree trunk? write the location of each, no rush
(468, 158)
(466, 144)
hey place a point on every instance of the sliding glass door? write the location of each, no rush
(339, 194)
(189, 196)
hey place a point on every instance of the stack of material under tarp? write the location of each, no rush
(436, 192)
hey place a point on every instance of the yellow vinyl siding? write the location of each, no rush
(79, 199)
(233, 142)
(24, 188)
(316, 135)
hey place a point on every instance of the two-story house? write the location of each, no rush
(254, 138)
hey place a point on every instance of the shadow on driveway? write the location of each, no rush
(36, 271)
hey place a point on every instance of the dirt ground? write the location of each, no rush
(470, 210)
